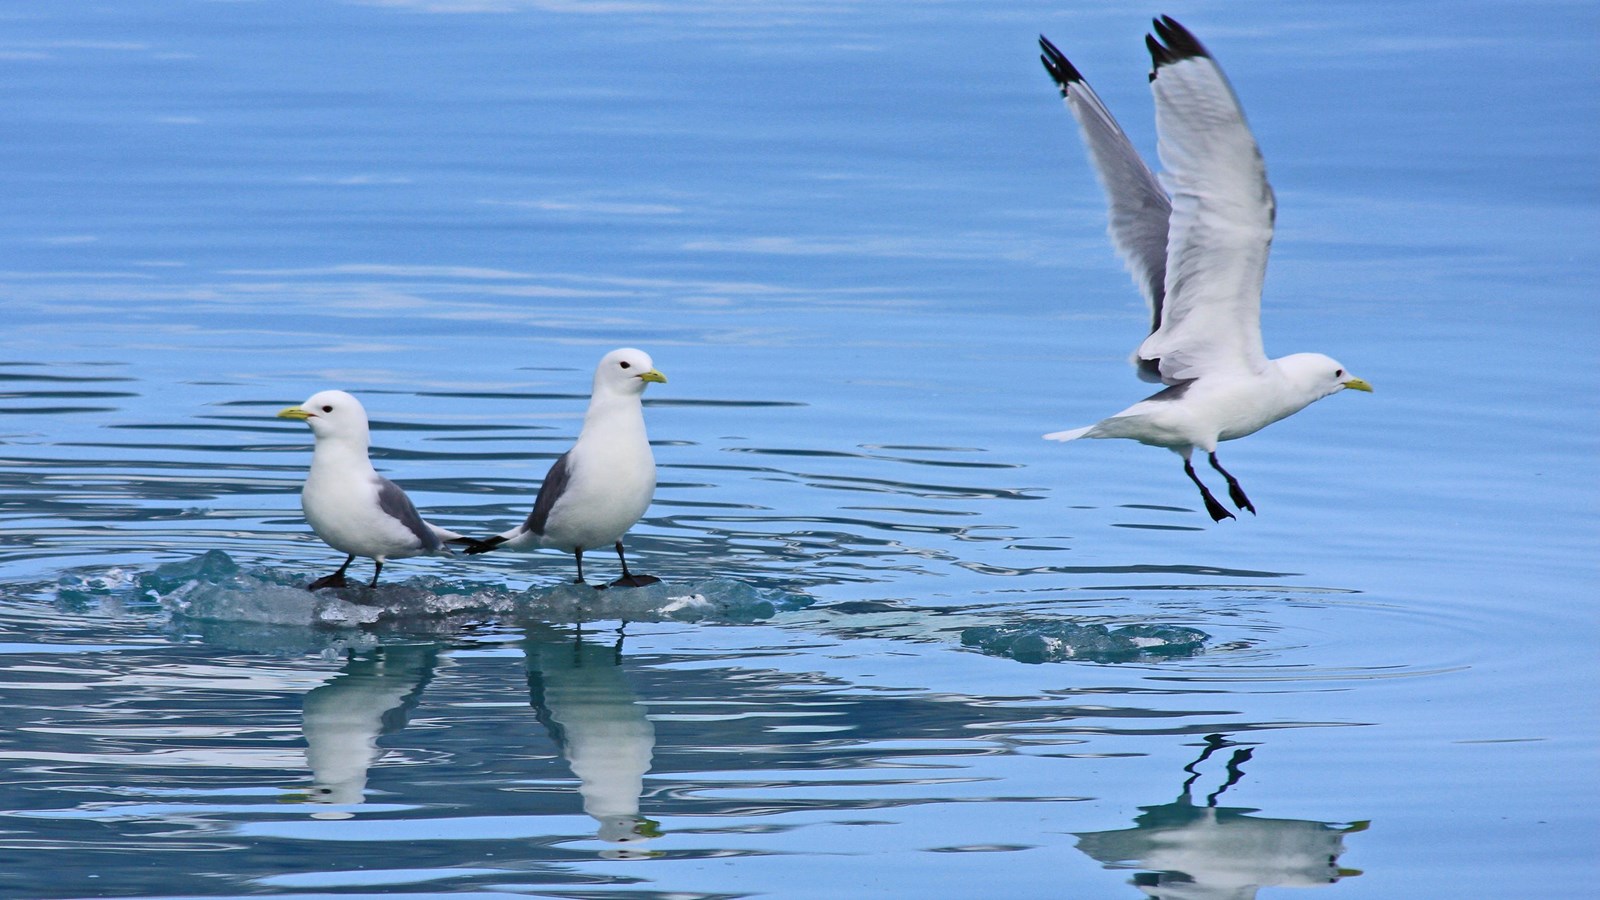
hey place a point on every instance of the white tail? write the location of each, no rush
(1072, 435)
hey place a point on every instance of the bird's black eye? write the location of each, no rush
(625, 365)
(1338, 373)
(327, 409)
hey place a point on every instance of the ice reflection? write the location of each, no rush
(583, 699)
(1211, 852)
(372, 695)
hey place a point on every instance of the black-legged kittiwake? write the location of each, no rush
(349, 505)
(1199, 257)
(598, 489)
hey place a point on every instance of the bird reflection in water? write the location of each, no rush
(1212, 852)
(582, 697)
(372, 695)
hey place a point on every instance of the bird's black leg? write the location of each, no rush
(334, 580)
(629, 579)
(377, 569)
(1217, 510)
(577, 554)
(1234, 491)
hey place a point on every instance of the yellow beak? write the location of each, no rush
(653, 375)
(294, 412)
(1354, 384)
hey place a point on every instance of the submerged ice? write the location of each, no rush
(1054, 640)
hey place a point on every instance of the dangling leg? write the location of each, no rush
(1234, 491)
(1217, 510)
(377, 569)
(629, 579)
(334, 580)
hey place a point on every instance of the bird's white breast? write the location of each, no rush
(1212, 409)
(340, 500)
(612, 479)
(1245, 407)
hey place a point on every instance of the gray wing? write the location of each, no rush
(555, 484)
(1222, 214)
(1138, 205)
(394, 502)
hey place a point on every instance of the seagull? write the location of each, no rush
(598, 489)
(349, 505)
(1199, 257)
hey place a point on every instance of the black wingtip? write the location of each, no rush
(474, 546)
(1055, 62)
(1176, 44)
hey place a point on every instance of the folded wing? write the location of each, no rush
(395, 504)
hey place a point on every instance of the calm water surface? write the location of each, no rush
(863, 243)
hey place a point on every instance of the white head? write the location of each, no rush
(625, 372)
(1318, 375)
(332, 415)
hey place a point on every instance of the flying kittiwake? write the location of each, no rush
(1199, 257)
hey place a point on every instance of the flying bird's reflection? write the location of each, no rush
(372, 695)
(1210, 852)
(582, 697)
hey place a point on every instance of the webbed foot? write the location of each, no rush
(1239, 499)
(1217, 510)
(631, 580)
(336, 580)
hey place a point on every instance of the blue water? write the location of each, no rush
(903, 645)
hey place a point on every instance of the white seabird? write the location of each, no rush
(1199, 258)
(349, 505)
(598, 489)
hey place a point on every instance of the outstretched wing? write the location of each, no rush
(1139, 208)
(1222, 213)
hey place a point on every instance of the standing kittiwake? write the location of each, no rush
(1199, 258)
(349, 505)
(598, 489)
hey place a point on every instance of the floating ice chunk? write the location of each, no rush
(212, 588)
(247, 598)
(212, 565)
(1055, 640)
